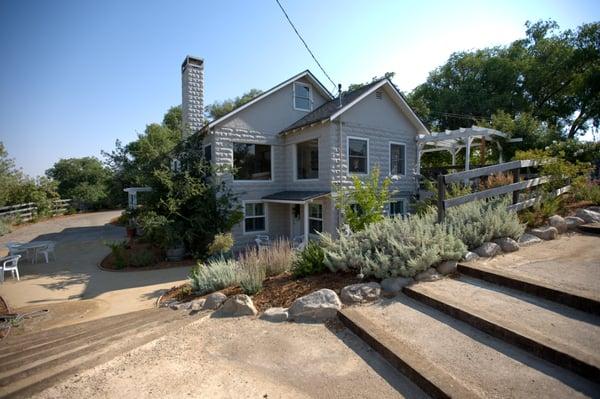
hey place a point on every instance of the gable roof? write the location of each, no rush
(272, 90)
(332, 110)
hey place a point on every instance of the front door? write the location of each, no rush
(296, 220)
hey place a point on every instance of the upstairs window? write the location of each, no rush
(302, 97)
(307, 159)
(397, 159)
(251, 161)
(358, 155)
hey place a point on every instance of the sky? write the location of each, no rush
(77, 75)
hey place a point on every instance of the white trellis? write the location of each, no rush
(132, 195)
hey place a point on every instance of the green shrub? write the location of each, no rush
(541, 210)
(251, 274)
(221, 244)
(141, 259)
(118, 249)
(393, 247)
(311, 260)
(215, 275)
(586, 190)
(4, 226)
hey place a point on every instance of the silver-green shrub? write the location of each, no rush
(394, 247)
(215, 275)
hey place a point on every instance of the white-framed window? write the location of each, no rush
(252, 162)
(208, 153)
(302, 97)
(255, 217)
(307, 160)
(397, 207)
(175, 165)
(358, 155)
(397, 159)
(315, 218)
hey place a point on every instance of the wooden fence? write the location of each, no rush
(518, 185)
(26, 212)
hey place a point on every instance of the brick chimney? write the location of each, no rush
(192, 95)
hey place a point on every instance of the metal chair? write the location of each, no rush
(262, 241)
(298, 242)
(10, 263)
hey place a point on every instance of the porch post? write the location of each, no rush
(453, 152)
(418, 166)
(500, 157)
(468, 153)
(306, 222)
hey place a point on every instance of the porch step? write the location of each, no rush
(59, 353)
(449, 358)
(535, 287)
(549, 330)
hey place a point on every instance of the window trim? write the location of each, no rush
(295, 162)
(310, 97)
(265, 207)
(252, 181)
(404, 205)
(348, 138)
(390, 159)
(313, 218)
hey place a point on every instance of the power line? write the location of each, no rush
(305, 45)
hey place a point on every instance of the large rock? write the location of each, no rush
(593, 208)
(507, 244)
(275, 315)
(214, 301)
(470, 256)
(528, 239)
(238, 305)
(545, 232)
(559, 223)
(316, 306)
(428, 275)
(588, 215)
(180, 305)
(198, 304)
(360, 293)
(392, 286)
(573, 222)
(488, 250)
(447, 267)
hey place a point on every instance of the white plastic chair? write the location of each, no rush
(298, 242)
(262, 241)
(10, 263)
(46, 251)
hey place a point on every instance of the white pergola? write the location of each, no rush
(132, 195)
(455, 140)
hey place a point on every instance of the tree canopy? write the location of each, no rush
(220, 108)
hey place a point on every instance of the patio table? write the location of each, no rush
(34, 246)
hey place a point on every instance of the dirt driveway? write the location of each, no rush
(72, 286)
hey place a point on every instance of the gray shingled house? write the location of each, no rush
(293, 142)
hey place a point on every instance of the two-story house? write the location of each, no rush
(291, 144)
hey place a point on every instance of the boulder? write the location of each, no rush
(275, 315)
(528, 239)
(360, 293)
(573, 222)
(558, 222)
(180, 305)
(593, 208)
(316, 306)
(238, 305)
(392, 286)
(447, 267)
(197, 304)
(507, 244)
(214, 301)
(488, 250)
(470, 256)
(545, 232)
(588, 215)
(428, 275)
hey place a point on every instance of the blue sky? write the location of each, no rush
(77, 75)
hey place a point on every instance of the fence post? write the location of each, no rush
(441, 197)
(516, 177)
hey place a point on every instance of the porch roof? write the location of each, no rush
(294, 196)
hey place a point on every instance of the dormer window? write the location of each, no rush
(302, 97)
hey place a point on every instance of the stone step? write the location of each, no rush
(449, 358)
(46, 371)
(554, 332)
(526, 284)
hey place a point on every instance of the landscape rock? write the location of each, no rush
(317, 306)
(588, 215)
(528, 239)
(360, 293)
(238, 305)
(593, 208)
(488, 250)
(214, 301)
(558, 222)
(393, 285)
(507, 244)
(197, 304)
(428, 275)
(470, 256)
(573, 222)
(180, 305)
(545, 232)
(275, 315)
(447, 267)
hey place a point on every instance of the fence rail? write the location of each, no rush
(26, 212)
(514, 188)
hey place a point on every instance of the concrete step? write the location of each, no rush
(51, 366)
(539, 288)
(554, 332)
(449, 358)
